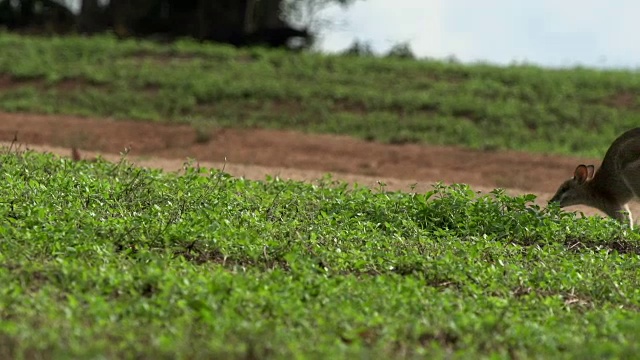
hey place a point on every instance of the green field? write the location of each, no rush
(574, 111)
(107, 260)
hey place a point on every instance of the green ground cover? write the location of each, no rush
(108, 260)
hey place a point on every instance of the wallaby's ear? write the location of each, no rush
(75, 154)
(581, 174)
(590, 171)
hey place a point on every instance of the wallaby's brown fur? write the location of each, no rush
(75, 156)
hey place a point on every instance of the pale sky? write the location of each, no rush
(554, 33)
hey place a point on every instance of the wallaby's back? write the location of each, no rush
(623, 151)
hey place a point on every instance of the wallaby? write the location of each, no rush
(616, 182)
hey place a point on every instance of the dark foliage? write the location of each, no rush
(242, 23)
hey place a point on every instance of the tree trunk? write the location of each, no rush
(271, 14)
(27, 15)
(89, 20)
(203, 19)
(249, 21)
(119, 11)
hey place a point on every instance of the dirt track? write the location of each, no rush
(255, 153)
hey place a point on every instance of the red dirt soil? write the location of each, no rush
(255, 153)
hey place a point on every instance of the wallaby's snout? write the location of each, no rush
(557, 196)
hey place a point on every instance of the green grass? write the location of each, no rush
(108, 260)
(572, 111)
(101, 260)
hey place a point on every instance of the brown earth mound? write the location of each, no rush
(254, 153)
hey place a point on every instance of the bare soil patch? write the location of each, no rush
(255, 153)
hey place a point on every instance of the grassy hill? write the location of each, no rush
(573, 111)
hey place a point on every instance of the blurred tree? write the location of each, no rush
(359, 48)
(308, 13)
(240, 22)
(401, 50)
(30, 15)
(91, 17)
(88, 10)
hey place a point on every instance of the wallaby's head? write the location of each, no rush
(574, 191)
